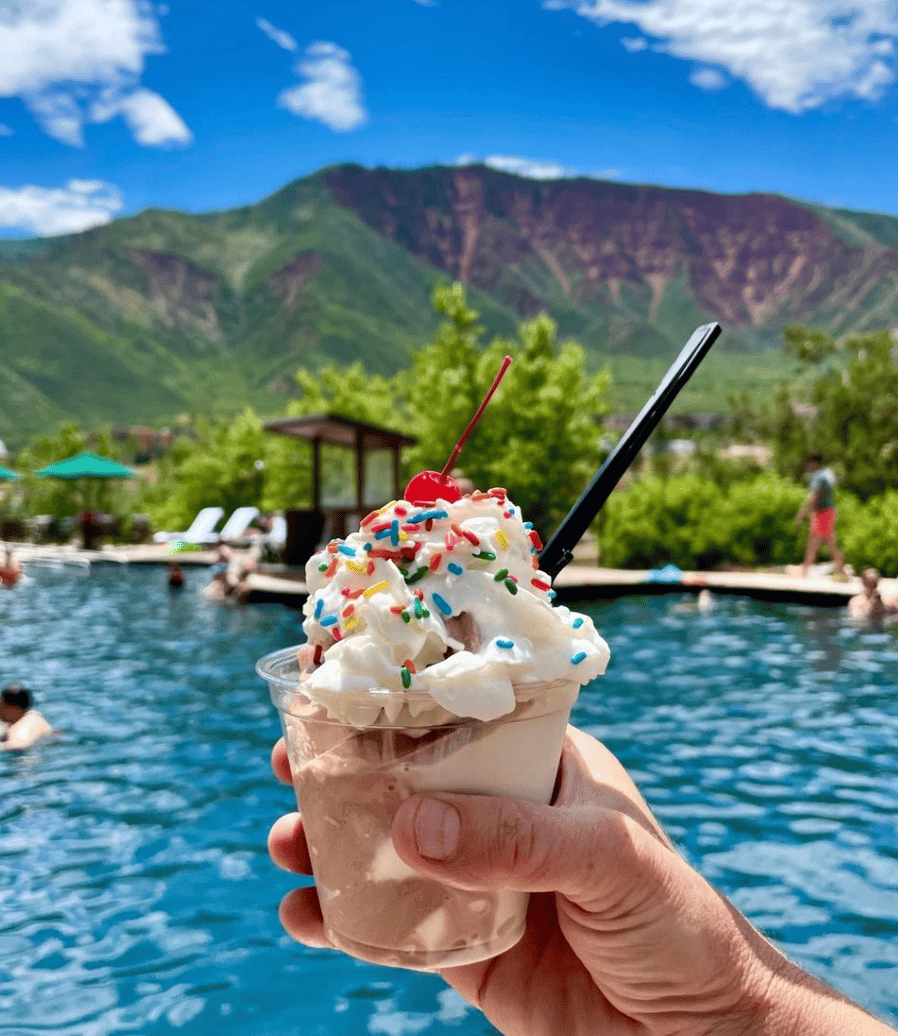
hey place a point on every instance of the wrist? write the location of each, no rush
(783, 1000)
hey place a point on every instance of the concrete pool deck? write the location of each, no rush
(578, 582)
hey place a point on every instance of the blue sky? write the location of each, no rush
(108, 107)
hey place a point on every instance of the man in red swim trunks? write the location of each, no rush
(821, 506)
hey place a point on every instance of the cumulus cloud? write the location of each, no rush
(332, 91)
(279, 36)
(795, 54)
(708, 79)
(73, 61)
(5, 131)
(635, 43)
(58, 210)
(534, 168)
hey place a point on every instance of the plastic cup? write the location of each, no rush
(351, 777)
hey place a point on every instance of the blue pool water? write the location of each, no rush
(137, 896)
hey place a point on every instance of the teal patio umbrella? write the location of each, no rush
(6, 474)
(90, 467)
(86, 465)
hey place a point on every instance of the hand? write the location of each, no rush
(623, 937)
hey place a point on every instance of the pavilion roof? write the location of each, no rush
(339, 431)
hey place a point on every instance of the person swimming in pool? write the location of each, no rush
(10, 571)
(24, 725)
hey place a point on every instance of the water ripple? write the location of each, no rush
(138, 896)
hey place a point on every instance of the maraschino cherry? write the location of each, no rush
(429, 486)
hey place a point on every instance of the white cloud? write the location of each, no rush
(61, 210)
(71, 61)
(149, 116)
(533, 168)
(278, 36)
(332, 93)
(635, 43)
(795, 54)
(426, 3)
(708, 79)
(5, 131)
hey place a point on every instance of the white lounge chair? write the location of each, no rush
(235, 527)
(202, 529)
(276, 537)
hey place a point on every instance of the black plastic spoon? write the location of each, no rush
(558, 552)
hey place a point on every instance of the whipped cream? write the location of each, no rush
(443, 598)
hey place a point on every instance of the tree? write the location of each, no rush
(842, 404)
(540, 437)
(64, 498)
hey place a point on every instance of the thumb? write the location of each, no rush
(483, 842)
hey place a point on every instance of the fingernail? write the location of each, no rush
(437, 827)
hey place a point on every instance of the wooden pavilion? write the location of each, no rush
(307, 527)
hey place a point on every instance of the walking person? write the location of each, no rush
(820, 507)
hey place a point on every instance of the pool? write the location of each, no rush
(137, 894)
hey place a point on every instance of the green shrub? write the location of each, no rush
(693, 522)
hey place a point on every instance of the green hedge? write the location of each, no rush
(694, 522)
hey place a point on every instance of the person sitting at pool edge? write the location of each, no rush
(623, 937)
(25, 725)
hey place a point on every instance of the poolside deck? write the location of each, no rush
(578, 582)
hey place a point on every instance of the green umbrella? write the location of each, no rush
(5, 473)
(86, 465)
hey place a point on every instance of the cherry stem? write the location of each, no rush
(506, 363)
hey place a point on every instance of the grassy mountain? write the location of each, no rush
(166, 312)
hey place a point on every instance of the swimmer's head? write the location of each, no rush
(870, 578)
(15, 701)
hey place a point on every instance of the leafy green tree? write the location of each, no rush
(223, 465)
(843, 404)
(541, 435)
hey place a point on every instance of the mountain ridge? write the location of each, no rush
(164, 311)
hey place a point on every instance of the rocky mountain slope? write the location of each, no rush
(166, 312)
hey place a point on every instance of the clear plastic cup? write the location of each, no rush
(350, 779)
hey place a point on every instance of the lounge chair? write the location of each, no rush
(235, 527)
(202, 529)
(276, 536)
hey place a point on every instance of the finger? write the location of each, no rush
(300, 914)
(590, 855)
(287, 845)
(280, 763)
(590, 775)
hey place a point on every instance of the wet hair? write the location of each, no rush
(814, 458)
(16, 695)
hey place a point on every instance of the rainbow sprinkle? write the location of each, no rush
(501, 574)
(502, 540)
(456, 570)
(511, 586)
(443, 605)
(330, 620)
(356, 566)
(406, 677)
(505, 643)
(372, 590)
(319, 607)
(578, 658)
(578, 622)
